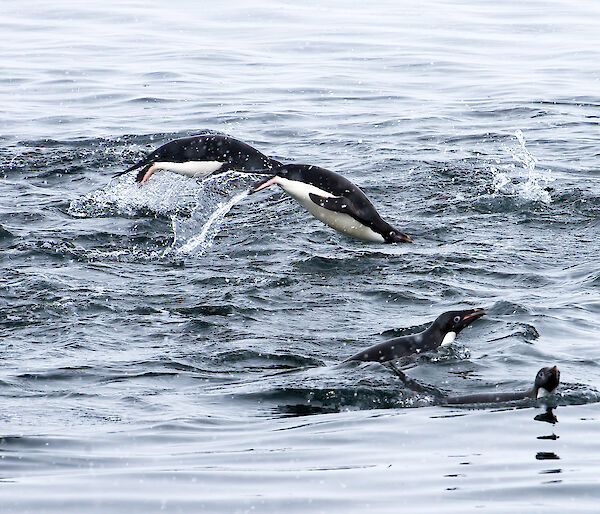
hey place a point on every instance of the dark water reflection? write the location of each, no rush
(548, 417)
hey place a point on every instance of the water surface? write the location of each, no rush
(177, 346)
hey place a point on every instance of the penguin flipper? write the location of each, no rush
(338, 204)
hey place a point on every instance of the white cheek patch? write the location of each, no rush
(341, 222)
(448, 338)
(199, 169)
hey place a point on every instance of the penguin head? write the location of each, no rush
(452, 322)
(395, 236)
(546, 381)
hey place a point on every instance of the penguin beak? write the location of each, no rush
(477, 313)
(556, 374)
(469, 318)
(399, 237)
(264, 183)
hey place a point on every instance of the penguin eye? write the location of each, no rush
(456, 319)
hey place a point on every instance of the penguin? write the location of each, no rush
(546, 381)
(334, 200)
(441, 332)
(199, 156)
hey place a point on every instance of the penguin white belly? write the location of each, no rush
(448, 339)
(198, 169)
(341, 222)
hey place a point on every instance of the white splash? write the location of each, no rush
(199, 243)
(164, 195)
(197, 209)
(508, 179)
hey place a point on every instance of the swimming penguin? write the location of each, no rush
(441, 332)
(546, 381)
(199, 156)
(335, 201)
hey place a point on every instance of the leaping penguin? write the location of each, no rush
(199, 156)
(335, 201)
(441, 332)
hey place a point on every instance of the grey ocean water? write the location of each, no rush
(175, 347)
